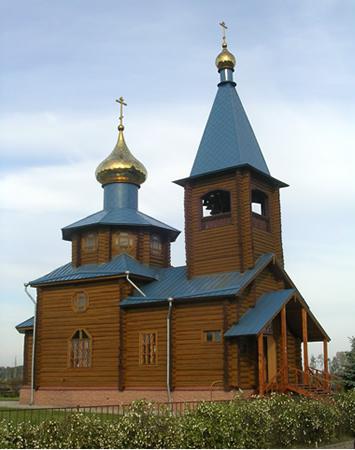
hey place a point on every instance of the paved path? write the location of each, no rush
(16, 404)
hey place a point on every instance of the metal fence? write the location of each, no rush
(104, 412)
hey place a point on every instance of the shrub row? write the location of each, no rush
(273, 422)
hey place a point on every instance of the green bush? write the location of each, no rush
(270, 422)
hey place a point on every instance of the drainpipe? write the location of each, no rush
(168, 345)
(33, 343)
(133, 284)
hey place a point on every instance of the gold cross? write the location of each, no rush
(122, 103)
(224, 28)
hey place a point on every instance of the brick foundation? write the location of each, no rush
(92, 397)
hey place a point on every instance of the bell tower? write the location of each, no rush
(232, 205)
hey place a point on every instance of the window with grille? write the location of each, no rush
(80, 302)
(80, 349)
(212, 336)
(148, 348)
(156, 245)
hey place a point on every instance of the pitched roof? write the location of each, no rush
(117, 266)
(27, 324)
(228, 139)
(119, 216)
(173, 282)
(266, 308)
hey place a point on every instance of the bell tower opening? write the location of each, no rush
(260, 209)
(215, 203)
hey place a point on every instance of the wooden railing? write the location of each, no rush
(311, 379)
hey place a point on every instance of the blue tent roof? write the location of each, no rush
(21, 327)
(266, 308)
(173, 282)
(119, 216)
(228, 139)
(117, 266)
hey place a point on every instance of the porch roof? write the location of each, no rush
(266, 309)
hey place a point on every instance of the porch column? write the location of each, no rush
(326, 368)
(284, 361)
(261, 363)
(305, 345)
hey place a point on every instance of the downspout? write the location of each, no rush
(33, 343)
(168, 346)
(134, 284)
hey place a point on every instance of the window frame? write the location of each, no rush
(132, 242)
(92, 248)
(71, 350)
(220, 214)
(142, 348)
(74, 306)
(214, 332)
(156, 251)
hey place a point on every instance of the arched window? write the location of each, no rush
(80, 349)
(215, 203)
(260, 210)
(156, 245)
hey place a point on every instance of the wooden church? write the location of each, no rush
(119, 323)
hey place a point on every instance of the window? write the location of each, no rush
(80, 302)
(259, 202)
(148, 348)
(212, 336)
(80, 349)
(215, 203)
(90, 241)
(124, 241)
(156, 245)
(260, 210)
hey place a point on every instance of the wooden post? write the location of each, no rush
(305, 345)
(284, 361)
(326, 369)
(261, 363)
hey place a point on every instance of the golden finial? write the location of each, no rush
(121, 166)
(225, 60)
(122, 103)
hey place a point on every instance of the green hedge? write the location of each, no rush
(269, 422)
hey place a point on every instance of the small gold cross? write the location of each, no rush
(224, 28)
(122, 103)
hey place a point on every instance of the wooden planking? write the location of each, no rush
(268, 241)
(27, 357)
(195, 362)
(136, 322)
(213, 249)
(57, 322)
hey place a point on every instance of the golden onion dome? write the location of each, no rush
(226, 59)
(121, 166)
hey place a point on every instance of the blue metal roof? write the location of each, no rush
(24, 325)
(173, 282)
(119, 216)
(266, 308)
(117, 266)
(228, 139)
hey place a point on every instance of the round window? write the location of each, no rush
(80, 302)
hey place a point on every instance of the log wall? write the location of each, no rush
(57, 321)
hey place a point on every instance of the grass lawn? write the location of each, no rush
(9, 399)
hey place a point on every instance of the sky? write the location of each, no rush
(64, 63)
